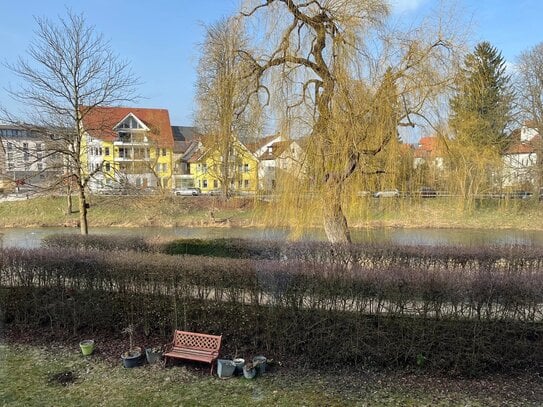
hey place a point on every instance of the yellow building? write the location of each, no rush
(128, 149)
(211, 167)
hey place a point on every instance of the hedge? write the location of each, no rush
(444, 315)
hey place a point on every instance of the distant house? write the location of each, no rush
(128, 146)
(520, 158)
(26, 159)
(200, 163)
(277, 157)
(428, 152)
(186, 143)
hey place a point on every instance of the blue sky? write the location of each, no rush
(160, 38)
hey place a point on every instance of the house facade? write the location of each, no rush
(427, 153)
(520, 158)
(278, 157)
(209, 170)
(128, 148)
(26, 159)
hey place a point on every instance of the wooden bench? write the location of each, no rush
(194, 346)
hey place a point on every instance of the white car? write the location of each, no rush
(187, 192)
(393, 193)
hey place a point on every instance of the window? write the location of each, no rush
(205, 183)
(40, 166)
(10, 146)
(100, 151)
(239, 184)
(245, 168)
(204, 168)
(215, 183)
(10, 166)
(163, 152)
(246, 183)
(39, 146)
(26, 156)
(25, 146)
(106, 151)
(107, 166)
(10, 156)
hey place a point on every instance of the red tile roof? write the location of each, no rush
(100, 121)
(524, 147)
(427, 147)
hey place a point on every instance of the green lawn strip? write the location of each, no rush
(27, 378)
(174, 211)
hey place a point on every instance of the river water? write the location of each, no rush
(31, 237)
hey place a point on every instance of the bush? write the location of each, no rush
(107, 243)
(466, 316)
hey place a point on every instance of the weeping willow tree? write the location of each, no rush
(224, 111)
(351, 82)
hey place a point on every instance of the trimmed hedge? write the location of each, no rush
(441, 314)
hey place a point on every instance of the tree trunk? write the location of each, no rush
(69, 198)
(334, 220)
(83, 223)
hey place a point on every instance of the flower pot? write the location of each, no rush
(87, 347)
(152, 356)
(239, 363)
(225, 368)
(249, 372)
(132, 358)
(260, 363)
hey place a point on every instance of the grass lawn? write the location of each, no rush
(29, 376)
(169, 211)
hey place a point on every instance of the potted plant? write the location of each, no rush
(132, 357)
(249, 370)
(239, 363)
(87, 347)
(153, 354)
(225, 368)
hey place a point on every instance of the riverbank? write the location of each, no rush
(168, 211)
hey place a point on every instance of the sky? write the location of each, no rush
(161, 38)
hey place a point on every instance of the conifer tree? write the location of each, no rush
(482, 107)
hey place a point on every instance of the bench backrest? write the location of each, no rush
(194, 340)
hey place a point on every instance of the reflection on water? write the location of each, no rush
(31, 237)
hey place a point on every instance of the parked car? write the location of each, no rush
(393, 193)
(187, 191)
(216, 192)
(427, 192)
(520, 195)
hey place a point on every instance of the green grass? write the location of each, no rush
(170, 211)
(26, 379)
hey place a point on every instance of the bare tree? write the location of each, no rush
(224, 110)
(358, 80)
(70, 70)
(529, 87)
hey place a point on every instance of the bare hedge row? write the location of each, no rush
(512, 258)
(454, 318)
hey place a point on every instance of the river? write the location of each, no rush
(32, 237)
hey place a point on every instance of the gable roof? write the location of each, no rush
(255, 146)
(275, 150)
(185, 133)
(524, 147)
(427, 147)
(99, 122)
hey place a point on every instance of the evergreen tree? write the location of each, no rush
(481, 108)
